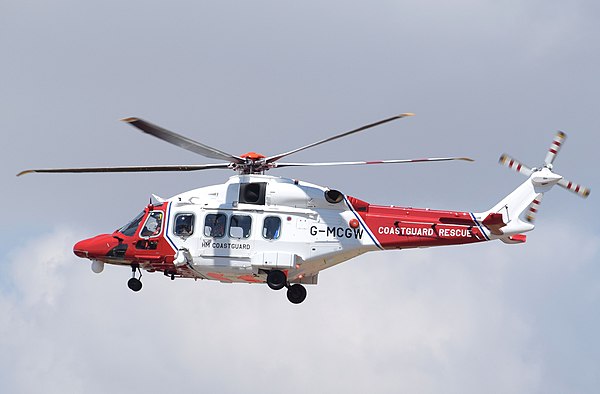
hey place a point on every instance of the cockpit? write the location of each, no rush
(152, 227)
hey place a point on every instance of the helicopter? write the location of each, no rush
(257, 228)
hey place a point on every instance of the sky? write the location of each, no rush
(483, 77)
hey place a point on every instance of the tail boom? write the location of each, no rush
(401, 228)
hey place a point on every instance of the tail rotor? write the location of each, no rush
(545, 172)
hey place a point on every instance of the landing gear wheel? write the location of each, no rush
(134, 284)
(296, 293)
(276, 279)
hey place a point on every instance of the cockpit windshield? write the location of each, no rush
(129, 228)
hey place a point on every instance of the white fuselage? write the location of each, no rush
(314, 234)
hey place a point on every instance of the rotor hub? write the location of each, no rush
(252, 156)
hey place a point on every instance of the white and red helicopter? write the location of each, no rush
(257, 228)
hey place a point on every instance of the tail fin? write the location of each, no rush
(520, 207)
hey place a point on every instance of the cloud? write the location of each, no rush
(442, 320)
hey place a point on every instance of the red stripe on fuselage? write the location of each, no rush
(398, 227)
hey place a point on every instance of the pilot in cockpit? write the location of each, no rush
(153, 225)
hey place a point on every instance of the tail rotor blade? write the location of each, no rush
(559, 140)
(515, 165)
(575, 188)
(533, 209)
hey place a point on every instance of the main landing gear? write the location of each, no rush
(296, 293)
(277, 280)
(134, 283)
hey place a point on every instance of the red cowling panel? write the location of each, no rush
(494, 222)
(358, 205)
(493, 219)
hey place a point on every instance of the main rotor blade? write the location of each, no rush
(129, 169)
(559, 140)
(515, 165)
(575, 188)
(181, 141)
(356, 163)
(272, 159)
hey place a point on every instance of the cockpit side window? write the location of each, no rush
(153, 225)
(184, 224)
(214, 225)
(271, 227)
(129, 228)
(240, 226)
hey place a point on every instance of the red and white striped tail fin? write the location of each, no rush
(515, 165)
(559, 140)
(533, 209)
(575, 188)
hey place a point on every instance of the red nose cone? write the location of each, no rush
(95, 247)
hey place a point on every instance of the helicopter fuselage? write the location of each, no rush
(241, 230)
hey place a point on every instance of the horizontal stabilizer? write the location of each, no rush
(515, 239)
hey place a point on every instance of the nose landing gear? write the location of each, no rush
(277, 280)
(134, 283)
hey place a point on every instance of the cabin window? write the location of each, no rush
(184, 224)
(240, 226)
(214, 225)
(129, 228)
(271, 227)
(153, 224)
